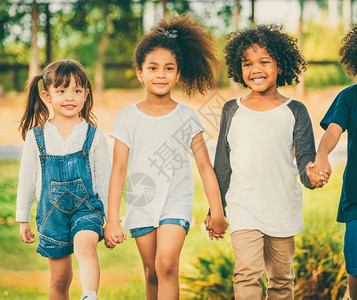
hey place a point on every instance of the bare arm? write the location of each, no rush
(330, 139)
(328, 142)
(113, 233)
(218, 223)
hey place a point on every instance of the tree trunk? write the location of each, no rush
(236, 15)
(234, 86)
(34, 68)
(164, 8)
(347, 13)
(99, 65)
(252, 18)
(300, 86)
(48, 35)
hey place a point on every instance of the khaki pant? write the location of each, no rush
(253, 251)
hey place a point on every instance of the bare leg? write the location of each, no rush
(61, 277)
(85, 251)
(147, 248)
(170, 239)
(352, 285)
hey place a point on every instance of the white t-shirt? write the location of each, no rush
(264, 192)
(30, 170)
(160, 181)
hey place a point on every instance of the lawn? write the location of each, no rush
(318, 265)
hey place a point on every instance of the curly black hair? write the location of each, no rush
(281, 47)
(193, 47)
(348, 51)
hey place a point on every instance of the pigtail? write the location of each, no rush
(36, 112)
(86, 113)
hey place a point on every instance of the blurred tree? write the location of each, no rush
(252, 18)
(15, 31)
(174, 6)
(237, 9)
(323, 5)
(34, 68)
(98, 18)
(48, 34)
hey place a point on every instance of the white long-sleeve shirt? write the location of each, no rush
(30, 169)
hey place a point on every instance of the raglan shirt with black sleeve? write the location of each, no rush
(256, 167)
(343, 112)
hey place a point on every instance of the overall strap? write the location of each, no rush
(40, 140)
(89, 138)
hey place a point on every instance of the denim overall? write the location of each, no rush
(67, 203)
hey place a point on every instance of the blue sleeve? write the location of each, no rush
(339, 111)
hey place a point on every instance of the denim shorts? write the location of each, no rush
(350, 247)
(56, 230)
(136, 232)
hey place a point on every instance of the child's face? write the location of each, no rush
(67, 102)
(259, 69)
(159, 72)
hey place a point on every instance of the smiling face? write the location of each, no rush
(159, 72)
(67, 102)
(259, 69)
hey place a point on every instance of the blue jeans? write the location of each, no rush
(350, 247)
(67, 203)
(136, 232)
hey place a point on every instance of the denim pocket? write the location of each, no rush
(68, 196)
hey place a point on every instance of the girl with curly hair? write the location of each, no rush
(341, 116)
(153, 139)
(260, 136)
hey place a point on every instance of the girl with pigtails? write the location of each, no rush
(65, 163)
(153, 141)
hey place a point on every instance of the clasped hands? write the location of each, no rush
(319, 171)
(216, 227)
(114, 234)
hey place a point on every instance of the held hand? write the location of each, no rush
(316, 178)
(113, 234)
(211, 234)
(319, 172)
(322, 164)
(208, 219)
(218, 226)
(26, 233)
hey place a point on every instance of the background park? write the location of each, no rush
(102, 35)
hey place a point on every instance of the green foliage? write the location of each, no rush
(322, 43)
(7, 293)
(318, 76)
(210, 277)
(134, 289)
(9, 171)
(319, 265)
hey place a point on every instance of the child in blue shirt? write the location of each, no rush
(341, 116)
